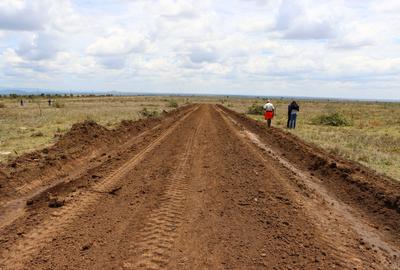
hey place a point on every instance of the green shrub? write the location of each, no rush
(37, 134)
(147, 113)
(332, 119)
(59, 105)
(255, 109)
(173, 103)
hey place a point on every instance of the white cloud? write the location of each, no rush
(21, 16)
(113, 49)
(392, 6)
(298, 21)
(39, 46)
(118, 42)
(200, 55)
(290, 47)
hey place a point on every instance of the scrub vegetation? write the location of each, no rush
(255, 109)
(332, 119)
(173, 103)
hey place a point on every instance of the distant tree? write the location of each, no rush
(13, 96)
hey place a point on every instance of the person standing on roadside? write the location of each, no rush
(269, 112)
(293, 110)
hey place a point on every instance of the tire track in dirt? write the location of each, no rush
(31, 189)
(241, 216)
(12, 209)
(348, 259)
(327, 211)
(21, 251)
(385, 251)
(155, 241)
(375, 196)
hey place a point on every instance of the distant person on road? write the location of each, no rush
(269, 112)
(293, 110)
(21, 102)
(49, 101)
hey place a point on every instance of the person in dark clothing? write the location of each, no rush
(293, 110)
(49, 101)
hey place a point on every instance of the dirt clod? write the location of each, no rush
(55, 203)
(114, 190)
(86, 247)
(29, 202)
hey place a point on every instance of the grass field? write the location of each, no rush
(372, 136)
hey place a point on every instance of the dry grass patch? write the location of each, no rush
(36, 124)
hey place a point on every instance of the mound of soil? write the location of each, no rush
(83, 142)
(353, 182)
(83, 134)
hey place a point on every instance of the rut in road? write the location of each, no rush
(211, 191)
(43, 235)
(157, 238)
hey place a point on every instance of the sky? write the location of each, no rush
(331, 48)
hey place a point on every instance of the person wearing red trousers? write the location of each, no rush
(269, 112)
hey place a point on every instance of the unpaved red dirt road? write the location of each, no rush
(199, 188)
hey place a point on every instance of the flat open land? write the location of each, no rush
(200, 187)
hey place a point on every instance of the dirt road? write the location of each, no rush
(199, 188)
